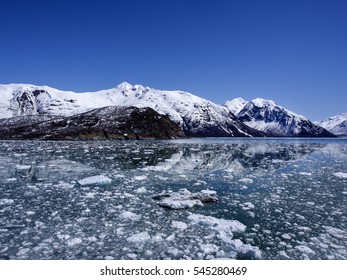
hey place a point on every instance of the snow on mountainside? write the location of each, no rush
(336, 125)
(195, 115)
(267, 116)
(235, 105)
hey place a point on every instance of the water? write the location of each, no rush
(278, 199)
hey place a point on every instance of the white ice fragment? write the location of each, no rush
(185, 199)
(209, 248)
(173, 203)
(127, 215)
(22, 252)
(98, 179)
(74, 241)
(247, 206)
(11, 179)
(141, 190)
(157, 238)
(139, 237)
(246, 251)
(23, 167)
(132, 256)
(140, 178)
(179, 225)
(246, 180)
(217, 224)
(6, 201)
(304, 249)
(209, 192)
(335, 232)
(341, 175)
(286, 236)
(64, 185)
(170, 237)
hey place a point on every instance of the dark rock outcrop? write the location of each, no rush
(113, 122)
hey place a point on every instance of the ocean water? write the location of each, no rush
(277, 199)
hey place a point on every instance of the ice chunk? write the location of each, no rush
(335, 232)
(139, 237)
(74, 241)
(185, 199)
(23, 167)
(177, 203)
(246, 180)
(341, 175)
(127, 215)
(304, 249)
(179, 225)
(141, 190)
(140, 178)
(98, 179)
(286, 236)
(219, 225)
(209, 248)
(6, 201)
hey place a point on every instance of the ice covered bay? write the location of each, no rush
(277, 199)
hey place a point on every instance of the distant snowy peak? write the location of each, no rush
(196, 116)
(235, 105)
(336, 125)
(266, 115)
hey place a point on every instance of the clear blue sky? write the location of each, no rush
(293, 52)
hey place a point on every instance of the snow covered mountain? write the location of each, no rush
(336, 125)
(196, 116)
(267, 116)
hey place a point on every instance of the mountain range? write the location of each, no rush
(276, 121)
(336, 125)
(195, 116)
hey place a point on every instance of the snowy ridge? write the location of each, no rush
(196, 116)
(275, 120)
(336, 125)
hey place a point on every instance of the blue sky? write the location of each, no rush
(293, 52)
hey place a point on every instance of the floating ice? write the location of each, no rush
(286, 236)
(74, 241)
(139, 237)
(6, 201)
(220, 225)
(98, 179)
(49, 217)
(179, 225)
(304, 249)
(185, 199)
(140, 178)
(127, 215)
(23, 167)
(341, 175)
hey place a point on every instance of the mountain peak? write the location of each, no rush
(260, 102)
(235, 105)
(124, 86)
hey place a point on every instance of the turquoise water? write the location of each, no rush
(94, 200)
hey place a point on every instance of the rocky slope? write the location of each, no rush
(112, 122)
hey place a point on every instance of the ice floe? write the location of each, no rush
(98, 179)
(342, 175)
(185, 199)
(139, 237)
